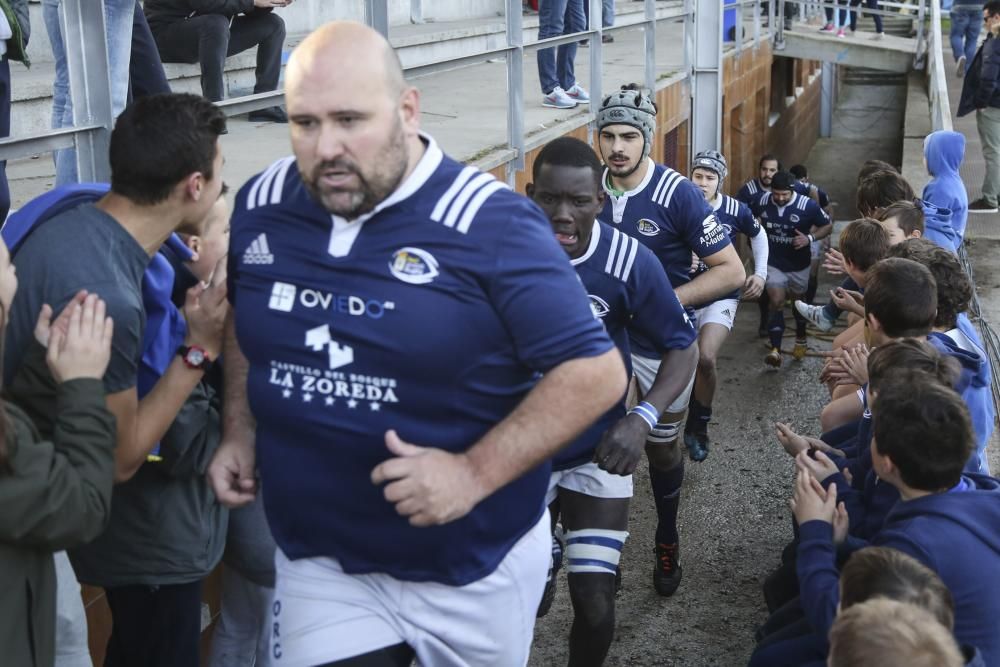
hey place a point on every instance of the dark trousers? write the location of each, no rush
(210, 39)
(870, 4)
(4, 132)
(146, 75)
(154, 626)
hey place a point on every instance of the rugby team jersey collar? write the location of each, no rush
(345, 232)
(595, 238)
(716, 203)
(618, 203)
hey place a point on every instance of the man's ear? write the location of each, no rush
(915, 234)
(194, 185)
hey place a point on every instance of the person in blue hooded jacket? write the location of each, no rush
(954, 335)
(945, 519)
(943, 154)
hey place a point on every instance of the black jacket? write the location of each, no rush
(160, 13)
(980, 88)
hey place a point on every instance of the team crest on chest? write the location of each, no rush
(599, 307)
(794, 218)
(647, 227)
(414, 266)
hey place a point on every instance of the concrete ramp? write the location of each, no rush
(891, 54)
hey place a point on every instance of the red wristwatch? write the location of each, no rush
(194, 357)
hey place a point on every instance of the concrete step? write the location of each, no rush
(416, 44)
(864, 76)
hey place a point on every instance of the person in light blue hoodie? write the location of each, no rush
(943, 155)
(938, 228)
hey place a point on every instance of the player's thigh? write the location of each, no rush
(601, 503)
(487, 622)
(320, 614)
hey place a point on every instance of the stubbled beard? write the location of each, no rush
(389, 166)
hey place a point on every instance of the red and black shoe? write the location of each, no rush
(667, 570)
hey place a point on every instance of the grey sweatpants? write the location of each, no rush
(988, 124)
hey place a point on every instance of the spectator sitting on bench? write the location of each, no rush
(208, 31)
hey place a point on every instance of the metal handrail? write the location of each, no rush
(937, 86)
(89, 74)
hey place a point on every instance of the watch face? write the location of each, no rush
(195, 357)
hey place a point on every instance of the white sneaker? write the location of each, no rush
(578, 93)
(558, 99)
(879, 36)
(814, 314)
(960, 67)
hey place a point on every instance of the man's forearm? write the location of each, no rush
(676, 369)
(821, 232)
(566, 401)
(714, 283)
(237, 420)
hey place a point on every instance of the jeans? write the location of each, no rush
(118, 19)
(555, 65)
(870, 4)
(988, 124)
(841, 14)
(607, 13)
(966, 23)
(210, 38)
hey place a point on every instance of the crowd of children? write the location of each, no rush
(895, 514)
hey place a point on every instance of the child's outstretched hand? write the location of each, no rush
(83, 350)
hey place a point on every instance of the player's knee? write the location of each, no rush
(706, 362)
(663, 434)
(593, 598)
(665, 456)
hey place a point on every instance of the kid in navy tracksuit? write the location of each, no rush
(945, 519)
(954, 335)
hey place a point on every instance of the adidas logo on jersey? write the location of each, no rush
(258, 252)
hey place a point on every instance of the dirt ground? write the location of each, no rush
(734, 519)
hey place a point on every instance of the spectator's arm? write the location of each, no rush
(818, 577)
(142, 424)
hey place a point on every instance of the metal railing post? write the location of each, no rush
(779, 26)
(706, 81)
(596, 53)
(377, 15)
(921, 15)
(515, 88)
(416, 11)
(649, 39)
(738, 28)
(90, 85)
(756, 23)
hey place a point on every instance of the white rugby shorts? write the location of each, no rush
(321, 614)
(645, 370)
(721, 312)
(590, 480)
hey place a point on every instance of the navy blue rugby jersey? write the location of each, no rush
(800, 213)
(669, 215)
(628, 291)
(736, 218)
(824, 198)
(752, 189)
(432, 315)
